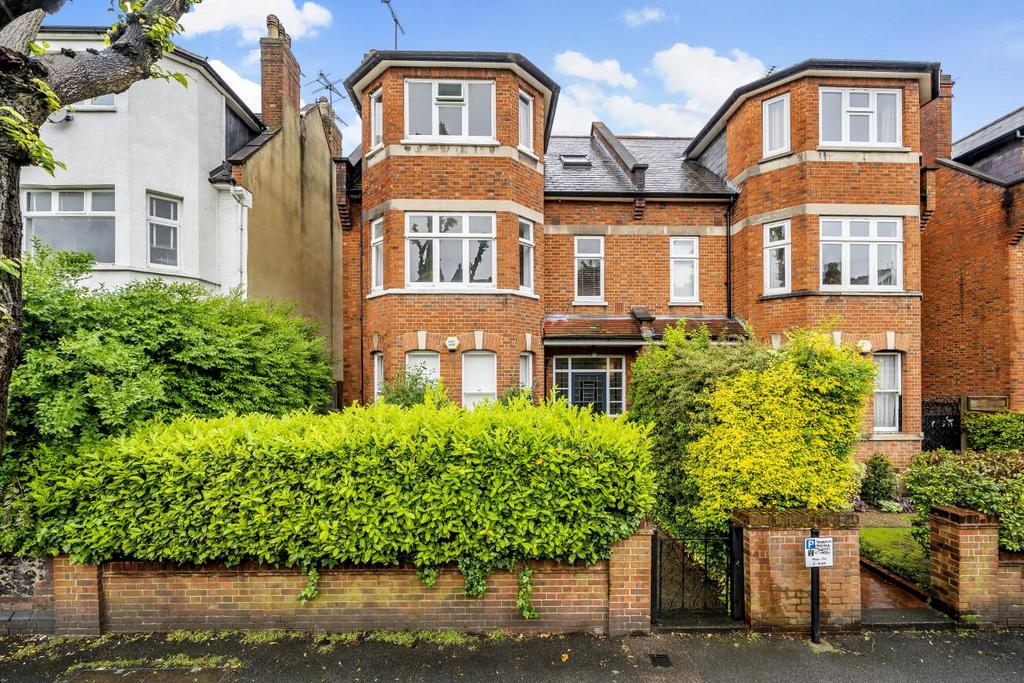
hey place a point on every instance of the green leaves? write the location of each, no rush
(428, 485)
(995, 431)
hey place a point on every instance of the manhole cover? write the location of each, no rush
(661, 661)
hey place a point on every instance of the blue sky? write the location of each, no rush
(657, 67)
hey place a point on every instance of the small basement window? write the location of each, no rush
(574, 159)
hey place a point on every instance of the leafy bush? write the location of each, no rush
(879, 482)
(408, 387)
(746, 426)
(992, 483)
(97, 363)
(427, 485)
(995, 431)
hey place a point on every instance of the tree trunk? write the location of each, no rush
(10, 286)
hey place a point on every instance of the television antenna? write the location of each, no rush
(770, 70)
(323, 79)
(394, 18)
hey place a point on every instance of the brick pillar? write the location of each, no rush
(964, 562)
(280, 75)
(629, 584)
(937, 124)
(777, 585)
(76, 607)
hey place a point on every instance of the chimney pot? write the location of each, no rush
(273, 26)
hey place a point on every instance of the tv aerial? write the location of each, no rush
(394, 18)
(329, 86)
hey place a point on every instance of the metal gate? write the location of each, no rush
(940, 420)
(697, 579)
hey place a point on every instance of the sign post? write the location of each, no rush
(818, 552)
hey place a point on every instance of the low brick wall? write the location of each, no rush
(777, 586)
(608, 597)
(969, 574)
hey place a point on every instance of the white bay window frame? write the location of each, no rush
(888, 392)
(438, 101)
(376, 119)
(437, 237)
(55, 209)
(773, 245)
(849, 111)
(525, 121)
(768, 149)
(479, 377)
(526, 254)
(377, 255)
(847, 240)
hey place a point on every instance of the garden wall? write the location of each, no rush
(970, 577)
(611, 597)
(26, 595)
(776, 584)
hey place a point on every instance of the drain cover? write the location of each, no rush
(661, 661)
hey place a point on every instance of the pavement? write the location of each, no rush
(961, 656)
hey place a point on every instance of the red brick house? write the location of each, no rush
(973, 266)
(495, 254)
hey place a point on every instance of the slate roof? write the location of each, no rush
(627, 327)
(668, 174)
(1004, 126)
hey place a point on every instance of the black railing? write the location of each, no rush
(697, 578)
(940, 422)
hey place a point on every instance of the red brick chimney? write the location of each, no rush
(937, 124)
(280, 74)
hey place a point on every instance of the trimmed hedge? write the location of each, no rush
(427, 485)
(992, 483)
(995, 431)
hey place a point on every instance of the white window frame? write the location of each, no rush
(898, 391)
(376, 244)
(525, 98)
(90, 104)
(577, 257)
(786, 244)
(526, 371)
(436, 102)
(872, 239)
(695, 258)
(437, 237)
(378, 374)
(608, 370)
(431, 366)
(490, 396)
(55, 210)
(176, 224)
(766, 137)
(846, 111)
(528, 243)
(376, 119)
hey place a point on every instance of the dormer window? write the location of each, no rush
(574, 159)
(449, 110)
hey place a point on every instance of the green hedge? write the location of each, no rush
(992, 483)
(428, 485)
(995, 431)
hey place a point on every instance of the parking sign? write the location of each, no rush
(818, 551)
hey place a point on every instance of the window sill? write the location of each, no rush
(451, 142)
(775, 155)
(892, 436)
(528, 152)
(813, 292)
(88, 110)
(860, 147)
(450, 291)
(374, 151)
(691, 302)
(590, 302)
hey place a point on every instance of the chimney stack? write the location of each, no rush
(280, 74)
(937, 124)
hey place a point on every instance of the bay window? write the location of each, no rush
(526, 371)
(449, 109)
(72, 220)
(428, 363)
(775, 125)
(479, 378)
(777, 258)
(861, 254)
(589, 269)
(449, 250)
(860, 117)
(525, 121)
(163, 230)
(684, 271)
(888, 392)
(376, 119)
(378, 374)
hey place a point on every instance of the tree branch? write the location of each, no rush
(19, 34)
(78, 76)
(12, 9)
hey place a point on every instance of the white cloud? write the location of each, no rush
(250, 17)
(252, 57)
(573, 63)
(248, 90)
(702, 76)
(583, 103)
(647, 15)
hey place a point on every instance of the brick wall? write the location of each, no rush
(607, 597)
(776, 585)
(971, 323)
(937, 124)
(969, 574)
